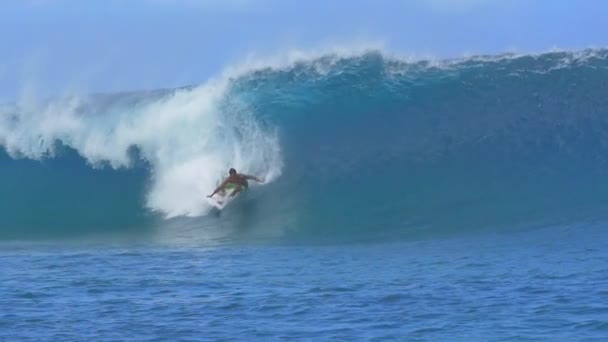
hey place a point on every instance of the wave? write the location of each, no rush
(188, 137)
(360, 144)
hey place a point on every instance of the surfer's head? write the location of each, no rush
(232, 172)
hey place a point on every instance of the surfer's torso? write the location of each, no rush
(238, 179)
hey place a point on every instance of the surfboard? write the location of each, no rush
(222, 198)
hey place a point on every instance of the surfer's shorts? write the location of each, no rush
(232, 186)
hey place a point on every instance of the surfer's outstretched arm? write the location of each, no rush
(220, 187)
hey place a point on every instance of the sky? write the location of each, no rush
(59, 46)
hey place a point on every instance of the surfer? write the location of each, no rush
(235, 181)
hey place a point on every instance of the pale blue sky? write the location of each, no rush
(57, 46)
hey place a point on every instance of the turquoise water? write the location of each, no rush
(421, 200)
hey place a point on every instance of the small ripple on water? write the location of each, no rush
(330, 289)
(394, 298)
(599, 325)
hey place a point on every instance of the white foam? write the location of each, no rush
(190, 139)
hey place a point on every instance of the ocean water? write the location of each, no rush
(404, 200)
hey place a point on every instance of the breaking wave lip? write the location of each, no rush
(323, 60)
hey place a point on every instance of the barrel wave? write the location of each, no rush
(354, 147)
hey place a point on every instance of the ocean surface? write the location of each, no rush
(404, 199)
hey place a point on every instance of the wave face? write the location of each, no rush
(365, 146)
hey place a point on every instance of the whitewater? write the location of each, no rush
(419, 199)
